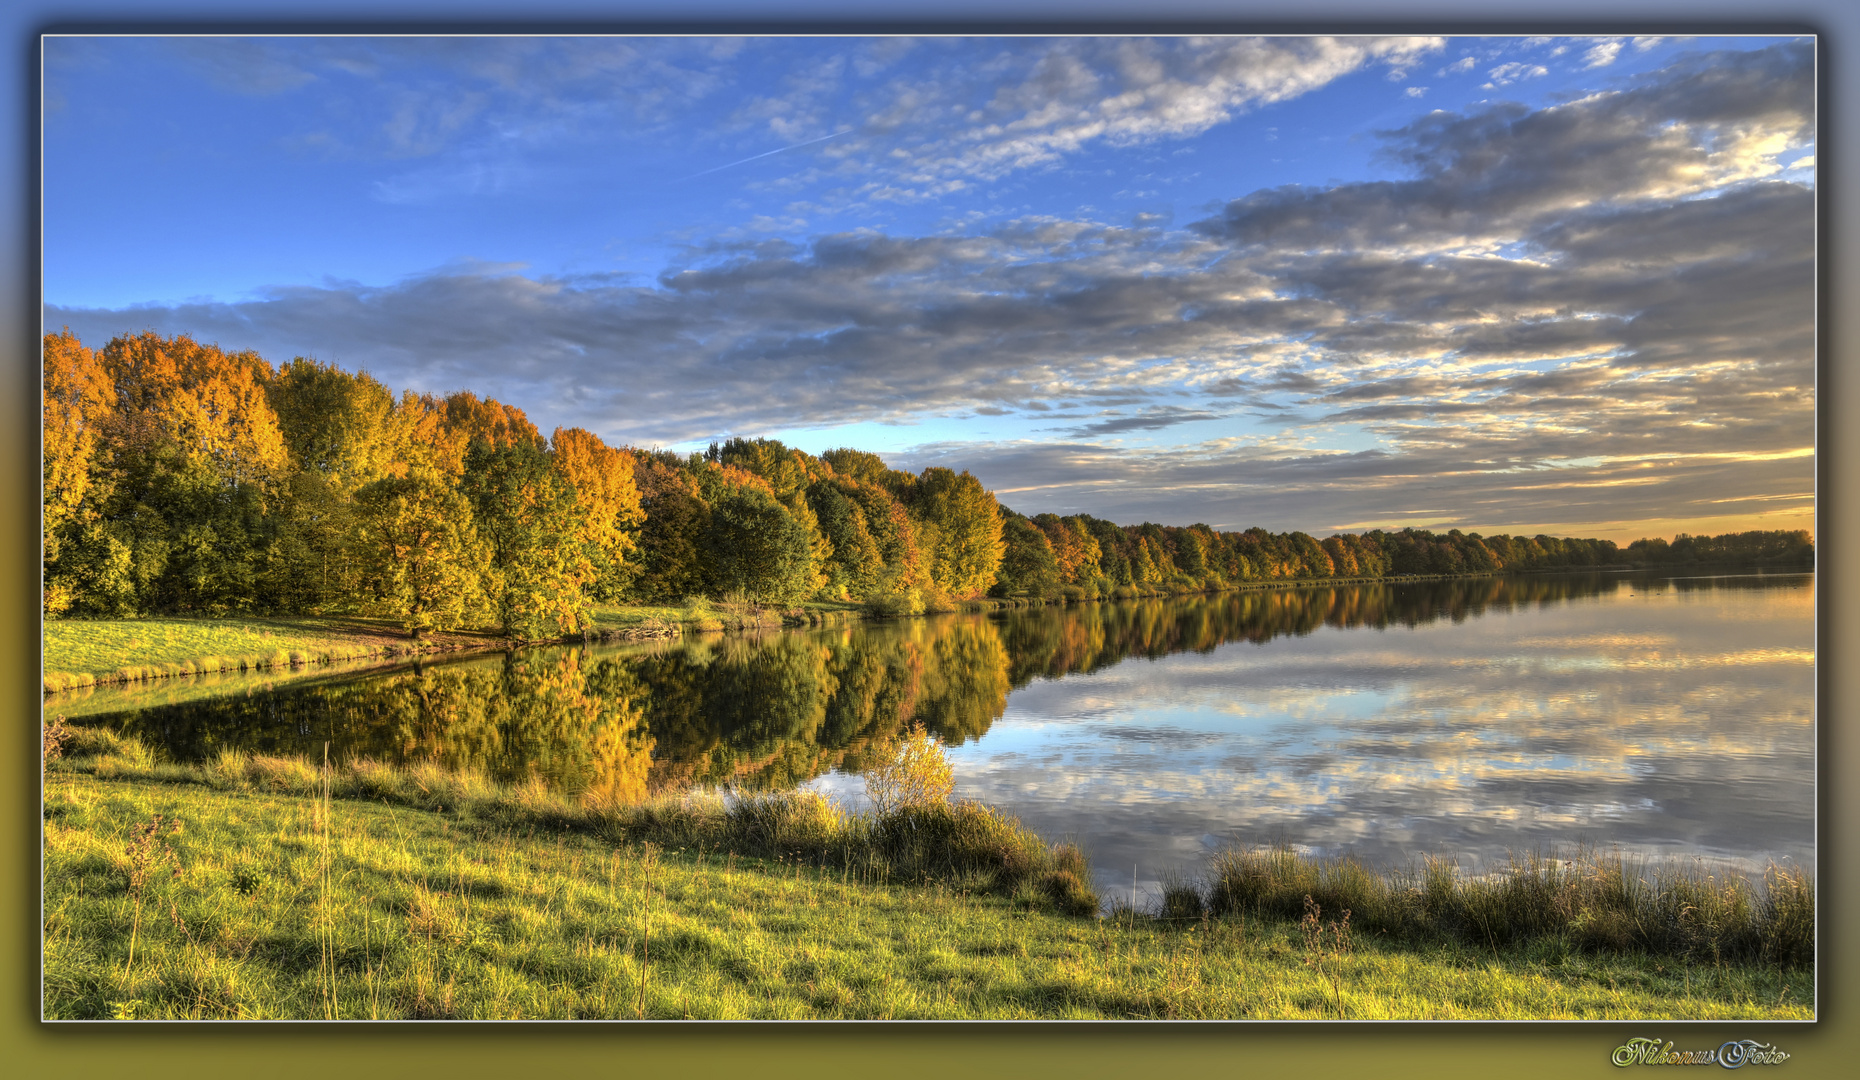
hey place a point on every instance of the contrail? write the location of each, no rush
(770, 153)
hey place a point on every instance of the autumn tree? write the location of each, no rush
(77, 400)
(608, 505)
(196, 457)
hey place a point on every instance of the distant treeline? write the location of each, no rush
(179, 478)
(1794, 548)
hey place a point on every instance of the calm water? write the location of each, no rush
(1672, 716)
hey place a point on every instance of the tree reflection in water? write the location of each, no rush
(770, 711)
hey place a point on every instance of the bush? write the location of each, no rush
(912, 772)
(894, 603)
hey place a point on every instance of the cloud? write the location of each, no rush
(1506, 74)
(1154, 419)
(1598, 311)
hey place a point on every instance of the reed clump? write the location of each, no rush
(1589, 898)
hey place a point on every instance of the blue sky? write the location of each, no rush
(1509, 284)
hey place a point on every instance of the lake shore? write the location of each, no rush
(272, 906)
(80, 653)
(258, 889)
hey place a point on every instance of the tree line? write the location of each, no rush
(182, 479)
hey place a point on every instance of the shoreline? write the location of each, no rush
(334, 639)
(793, 874)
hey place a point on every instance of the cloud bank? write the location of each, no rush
(1596, 311)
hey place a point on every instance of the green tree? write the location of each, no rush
(856, 566)
(421, 559)
(672, 537)
(339, 436)
(1028, 565)
(527, 515)
(966, 519)
(754, 546)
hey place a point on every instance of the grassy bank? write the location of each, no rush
(966, 845)
(86, 652)
(964, 912)
(178, 900)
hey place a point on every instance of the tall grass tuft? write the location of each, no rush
(1589, 898)
(1787, 917)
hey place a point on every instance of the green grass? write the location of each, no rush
(701, 614)
(267, 904)
(966, 843)
(108, 697)
(84, 652)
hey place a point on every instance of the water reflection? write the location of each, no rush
(1670, 715)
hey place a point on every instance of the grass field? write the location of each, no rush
(83, 652)
(186, 901)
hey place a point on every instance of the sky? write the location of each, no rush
(1502, 284)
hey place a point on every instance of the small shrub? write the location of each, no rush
(287, 776)
(230, 767)
(894, 603)
(247, 880)
(52, 739)
(913, 772)
(792, 822)
(372, 779)
(1069, 893)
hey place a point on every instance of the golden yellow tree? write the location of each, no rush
(77, 399)
(208, 404)
(607, 504)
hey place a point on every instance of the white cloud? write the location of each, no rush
(1508, 73)
(1602, 53)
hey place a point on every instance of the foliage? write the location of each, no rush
(912, 772)
(1586, 898)
(607, 503)
(756, 546)
(1028, 565)
(181, 479)
(965, 522)
(1748, 548)
(421, 559)
(529, 518)
(78, 398)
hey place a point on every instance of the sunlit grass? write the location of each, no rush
(83, 652)
(276, 905)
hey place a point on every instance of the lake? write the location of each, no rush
(1672, 716)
